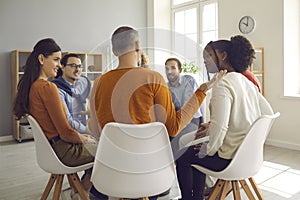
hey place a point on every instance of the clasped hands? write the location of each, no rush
(201, 132)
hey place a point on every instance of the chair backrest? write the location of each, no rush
(133, 160)
(248, 159)
(46, 157)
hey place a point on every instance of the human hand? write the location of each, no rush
(88, 139)
(85, 112)
(201, 147)
(202, 131)
(218, 76)
(202, 150)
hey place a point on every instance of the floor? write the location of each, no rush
(279, 178)
(22, 179)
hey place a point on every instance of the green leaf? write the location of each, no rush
(190, 68)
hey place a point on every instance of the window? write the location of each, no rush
(195, 23)
(291, 48)
(185, 35)
(209, 22)
(177, 2)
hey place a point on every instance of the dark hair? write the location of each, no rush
(243, 53)
(64, 61)
(176, 60)
(144, 60)
(239, 50)
(32, 70)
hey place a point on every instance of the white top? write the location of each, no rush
(235, 104)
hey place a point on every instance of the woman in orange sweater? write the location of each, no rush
(40, 98)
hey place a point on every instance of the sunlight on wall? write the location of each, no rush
(291, 48)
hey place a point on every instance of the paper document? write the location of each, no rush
(198, 141)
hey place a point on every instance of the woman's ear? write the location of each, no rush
(224, 55)
(137, 46)
(41, 58)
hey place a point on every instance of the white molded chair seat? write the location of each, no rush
(246, 162)
(49, 162)
(135, 160)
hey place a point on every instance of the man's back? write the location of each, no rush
(138, 95)
(127, 92)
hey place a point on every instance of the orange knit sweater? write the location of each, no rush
(49, 111)
(138, 96)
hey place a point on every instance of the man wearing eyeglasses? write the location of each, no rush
(74, 90)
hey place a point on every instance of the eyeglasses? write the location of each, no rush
(75, 66)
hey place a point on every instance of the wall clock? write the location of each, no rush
(246, 24)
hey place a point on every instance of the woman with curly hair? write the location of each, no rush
(235, 104)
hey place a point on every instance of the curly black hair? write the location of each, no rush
(242, 53)
(239, 51)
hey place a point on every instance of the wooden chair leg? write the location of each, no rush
(58, 185)
(236, 190)
(224, 190)
(217, 188)
(71, 183)
(254, 186)
(247, 189)
(78, 186)
(49, 186)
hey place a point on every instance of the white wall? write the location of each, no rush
(268, 34)
(76, 25)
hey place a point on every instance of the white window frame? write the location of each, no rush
(184, 7)
(201, 5)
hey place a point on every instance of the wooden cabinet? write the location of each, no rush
(21, 129)
(92, 68)
(258, 65)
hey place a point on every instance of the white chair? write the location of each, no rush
(246, 162)
(135, 160)
(50, 163)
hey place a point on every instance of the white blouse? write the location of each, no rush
(235, 104)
